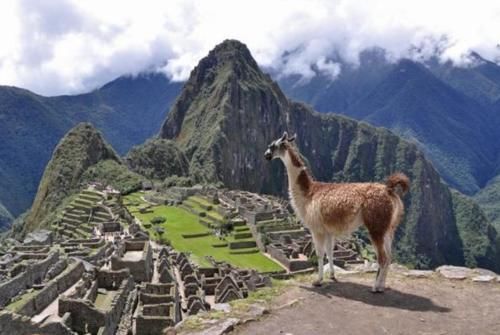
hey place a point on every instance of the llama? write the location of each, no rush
(333, 210)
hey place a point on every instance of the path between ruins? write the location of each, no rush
(428, 306)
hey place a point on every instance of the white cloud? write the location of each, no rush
(69, 46)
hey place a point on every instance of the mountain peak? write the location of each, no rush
(81, 147)
(231, 50)
(230, 56)
(213, 90)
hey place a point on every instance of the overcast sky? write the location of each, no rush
(71, 46)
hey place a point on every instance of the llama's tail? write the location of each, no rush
(397, 185)
(395, 180)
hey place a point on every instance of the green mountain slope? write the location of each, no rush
(489, 199)
(479, 81)
(157, 159)
(127, 110)
(81, 148)
(450, 127)
(480, 239)
(229, 111)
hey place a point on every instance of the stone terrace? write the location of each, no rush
(101, 274)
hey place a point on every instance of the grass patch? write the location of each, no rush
(179, 222)
(203, 201)
(194, 202)
(18, 304)
(103, 300)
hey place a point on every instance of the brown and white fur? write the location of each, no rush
(333, 210)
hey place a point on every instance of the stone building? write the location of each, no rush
(137, 256)
(100, 309)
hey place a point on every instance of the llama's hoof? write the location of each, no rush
(317, 283)
(377, 290)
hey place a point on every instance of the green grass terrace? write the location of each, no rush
(184, 231)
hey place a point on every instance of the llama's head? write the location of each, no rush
(278, 147)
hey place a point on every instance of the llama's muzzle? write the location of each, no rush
(268, 154)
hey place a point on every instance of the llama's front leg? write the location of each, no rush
(330, 246)
(319, 244)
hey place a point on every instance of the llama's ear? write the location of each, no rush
(291, 139)
(284, 137)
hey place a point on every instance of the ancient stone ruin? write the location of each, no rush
(99, 272)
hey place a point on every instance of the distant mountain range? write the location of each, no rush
(451, 113)
(127, 110)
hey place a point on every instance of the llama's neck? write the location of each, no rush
(299, 180)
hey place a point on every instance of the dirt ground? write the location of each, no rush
(410, 306)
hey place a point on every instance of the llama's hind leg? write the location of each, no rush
(319, 245)
(330, 245)
(388, 251)
(384, 261)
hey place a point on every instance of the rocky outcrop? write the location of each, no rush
(39, 237)
(229, 111)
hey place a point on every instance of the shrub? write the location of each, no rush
(177, 181)
(158, 219)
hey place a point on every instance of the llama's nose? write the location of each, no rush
(268, 155)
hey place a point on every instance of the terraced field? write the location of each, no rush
(182, 223)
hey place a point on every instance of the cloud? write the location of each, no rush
(70, 46)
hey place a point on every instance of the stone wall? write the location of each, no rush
(111, 280)
(12, 287)
(41, 300)
(291, 264)
(34, 273)
(53, 289)
(153, 319)
(85, 318)
(100, 254)
(39, 269)
(150, 299)
(158, 288)
(141, 270)
(242, 244)
(15, 324)
(109, 227)
(91, 294)
(70, 276)
(134, 245)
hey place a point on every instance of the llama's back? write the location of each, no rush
(345, 206)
